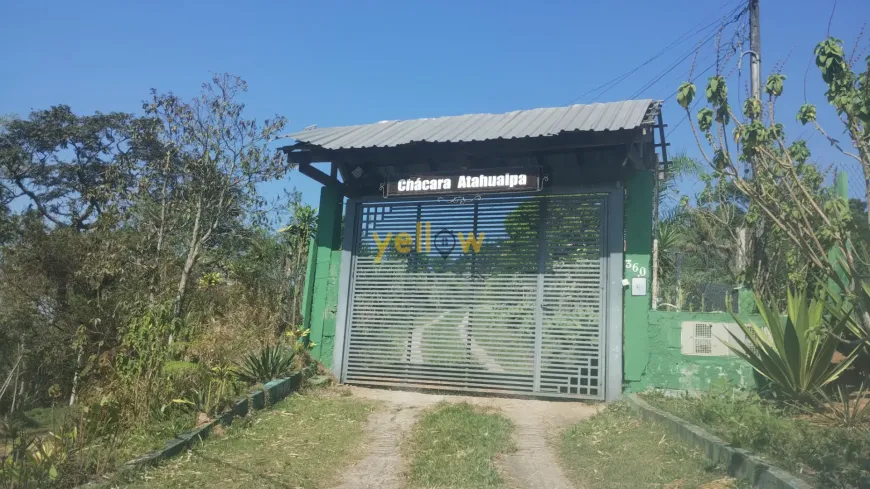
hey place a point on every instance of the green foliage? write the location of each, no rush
(141, 263)
(268, 364)
(844, 406)
(333, 425)
(670, 234)
(796, 358)
(752, 108)
(705, 119)
(799, 152)
(448, 430)
(720, 159)
(146, 343)
(806, 113)
(717, 91)
(626, 452)
(211, 392)
(685, 94)
(34, 461)
(831, 456)
(774, 84)
(792, 222)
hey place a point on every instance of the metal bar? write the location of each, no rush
(318, 176)
(539, 299)
(613, 325)
(343, 321)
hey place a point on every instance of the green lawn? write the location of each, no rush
(616, 450)
(303, 441)
(453, 446)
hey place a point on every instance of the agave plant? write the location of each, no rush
(269, 363)
(844, 407)
(795, 355)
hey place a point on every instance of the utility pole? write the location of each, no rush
(755, 48)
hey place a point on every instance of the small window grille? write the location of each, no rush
(703, 339)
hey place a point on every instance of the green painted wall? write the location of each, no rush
(309, 284)
(651, 339)
(321, 282)
(638, 251)
(667, 368)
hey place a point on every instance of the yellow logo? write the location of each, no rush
(445, 241)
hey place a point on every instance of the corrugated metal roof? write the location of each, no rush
(611, 116)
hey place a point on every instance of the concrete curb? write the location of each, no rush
(272, 392)
(739, 463)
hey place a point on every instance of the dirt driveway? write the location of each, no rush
(534, 465)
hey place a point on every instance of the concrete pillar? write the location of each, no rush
(322, 275)
(639, 189)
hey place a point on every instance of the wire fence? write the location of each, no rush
(695, 284)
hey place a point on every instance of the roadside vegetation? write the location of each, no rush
(144, 281)
(616, 450)
(807, 257)
(306, 440)
(831, 450)
(455, 445)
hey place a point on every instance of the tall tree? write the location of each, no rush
(771, 172)
(213, 159)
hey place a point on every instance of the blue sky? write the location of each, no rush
(335, 63)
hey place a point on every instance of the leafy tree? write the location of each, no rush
(775, 179)
(213, 159)
(70, 168)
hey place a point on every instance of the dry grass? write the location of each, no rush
(303, 441)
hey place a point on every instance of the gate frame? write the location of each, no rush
(613, 285)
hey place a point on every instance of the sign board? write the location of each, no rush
(491, 180)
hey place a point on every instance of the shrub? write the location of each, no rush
(797, 357)
(269, 363)
(836, 457)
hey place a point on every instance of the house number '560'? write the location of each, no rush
(634, 267)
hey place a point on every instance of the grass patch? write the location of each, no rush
(828, 456)
(303, 441)
(616, 450)
(453, 446)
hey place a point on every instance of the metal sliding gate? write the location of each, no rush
(500, 294)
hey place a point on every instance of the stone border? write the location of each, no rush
(272, 392)
(740, 463)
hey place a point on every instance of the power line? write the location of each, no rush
(687, 54)
(615, 81)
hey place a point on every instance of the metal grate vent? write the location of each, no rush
(703, 339)
(710, 339)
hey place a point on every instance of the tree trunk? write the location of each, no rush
(192, 257)
(75, 382)
(161, 231)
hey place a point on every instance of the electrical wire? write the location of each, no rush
(736, 17)
(688, 34)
